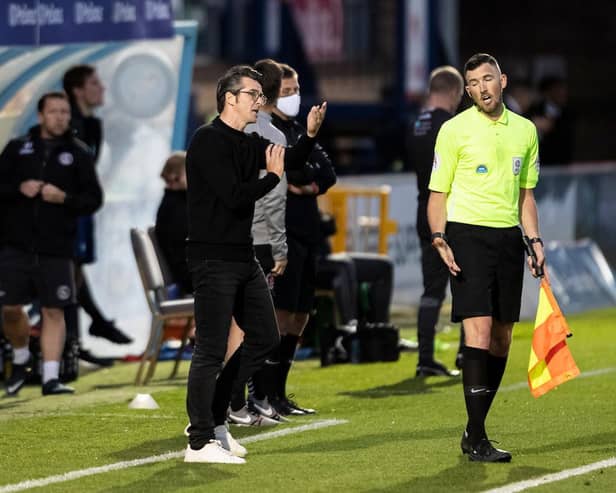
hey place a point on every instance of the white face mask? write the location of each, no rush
(289, 105)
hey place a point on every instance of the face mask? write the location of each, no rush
(289, 105)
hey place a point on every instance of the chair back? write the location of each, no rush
(147, 263)
(162, 261)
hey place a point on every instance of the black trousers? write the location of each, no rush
(224, 289)
(435, 279)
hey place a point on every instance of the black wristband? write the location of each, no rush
(536, 239)
(438, 235)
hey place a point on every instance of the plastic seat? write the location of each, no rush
(161, 307)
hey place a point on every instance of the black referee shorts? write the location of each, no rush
(294, 290)
(492, 263)
(25, 277)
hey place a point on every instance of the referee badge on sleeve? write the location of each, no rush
(516, 165)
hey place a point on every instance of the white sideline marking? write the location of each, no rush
(61, 414)
(586, 374)
(551, 478)
(69, 476)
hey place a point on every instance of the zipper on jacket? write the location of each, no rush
(35, 211)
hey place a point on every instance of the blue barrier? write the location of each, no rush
(40, 22)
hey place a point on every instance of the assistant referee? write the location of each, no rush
(485, 168)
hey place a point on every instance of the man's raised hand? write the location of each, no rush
(274, 159)
(315, 119)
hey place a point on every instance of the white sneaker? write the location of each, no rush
(244, 417)
(212, 452)
(228, 442)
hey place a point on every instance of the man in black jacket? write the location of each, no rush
(222, 165)
(172, 221)
(47, 180)
(85, 92)
(444, 96)
(294, 290)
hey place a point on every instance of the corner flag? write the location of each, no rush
(551, 362)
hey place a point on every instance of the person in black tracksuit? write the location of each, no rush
(47, 180)
(294, 290)
(222, 165)
(86, 93)
(172, 221)
(445, 93)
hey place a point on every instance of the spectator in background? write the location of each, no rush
(519, 96)
(47, 180)
(172, 220)
(86, 93)
(294, 289)
(554, 121)
(444, 95)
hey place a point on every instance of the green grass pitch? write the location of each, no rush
(401, 434)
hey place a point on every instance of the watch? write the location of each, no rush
(438, 235)
(536, 239)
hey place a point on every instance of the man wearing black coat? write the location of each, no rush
(294, 290)
(47, 180)
(85, 92)
(222, 165)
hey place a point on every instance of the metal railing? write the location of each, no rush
(362, 218)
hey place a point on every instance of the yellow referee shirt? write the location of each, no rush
(482, 164)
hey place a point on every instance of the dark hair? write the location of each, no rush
(445, 79)
(272, 75)
(287, 71)
(75, 77)
(50, 95)
(231, 82)
(479, 59)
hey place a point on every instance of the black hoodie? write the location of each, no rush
(31, 224)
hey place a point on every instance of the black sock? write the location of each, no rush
(84, 298)
(263, 382)
(269, 374)
(71, 320)
(288, 345)
(225, 395)
(496, 369)
(461, 343)
(476, 391)
(427, 319)
(251, 386)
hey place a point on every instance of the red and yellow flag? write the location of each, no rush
(551, 362)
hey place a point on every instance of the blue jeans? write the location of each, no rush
(224, 289)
